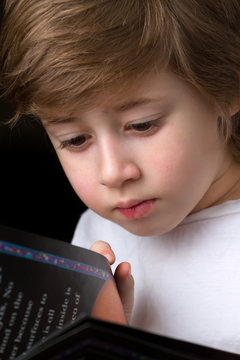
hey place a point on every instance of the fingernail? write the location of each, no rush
(108, 256)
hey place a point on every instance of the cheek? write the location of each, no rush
(170, 162)
(84, 188)
(176, 165)
(82, 178)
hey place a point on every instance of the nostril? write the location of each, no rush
(117, 176)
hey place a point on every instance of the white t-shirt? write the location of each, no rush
(187, 282)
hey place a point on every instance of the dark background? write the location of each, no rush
(35, 194)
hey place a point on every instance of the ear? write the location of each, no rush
(235, 106)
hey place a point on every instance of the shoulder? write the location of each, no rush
(223, 216)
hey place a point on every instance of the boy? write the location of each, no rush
(140, 99)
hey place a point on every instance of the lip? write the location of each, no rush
(134, 209)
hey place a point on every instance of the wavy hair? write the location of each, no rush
(64, 53)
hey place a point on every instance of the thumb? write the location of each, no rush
(125, 286)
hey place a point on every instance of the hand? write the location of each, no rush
(122, 275)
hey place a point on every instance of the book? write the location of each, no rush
(59, 301)
(46, 284)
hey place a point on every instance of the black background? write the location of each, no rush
(35, 194)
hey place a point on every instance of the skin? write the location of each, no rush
(122, 275)
(166, 148)
(108, 305)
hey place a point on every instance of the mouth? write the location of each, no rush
(135, 209)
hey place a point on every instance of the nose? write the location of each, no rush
(117, 165)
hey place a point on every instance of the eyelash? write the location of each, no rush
(142, 128)
(72, 143)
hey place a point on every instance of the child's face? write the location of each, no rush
(147, 159)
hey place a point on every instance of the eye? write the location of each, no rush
(144, 126)
(75, 143)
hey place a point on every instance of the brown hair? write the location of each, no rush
(63, 53)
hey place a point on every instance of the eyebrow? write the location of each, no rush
(49, 121)
(134, 103)
(118, 108)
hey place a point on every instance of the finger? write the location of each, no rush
(125, 286)
(103, 248)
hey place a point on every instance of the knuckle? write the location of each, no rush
(99, 245)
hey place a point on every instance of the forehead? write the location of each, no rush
(131, 104)
(144, 93)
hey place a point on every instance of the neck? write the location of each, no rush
(226, 187)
